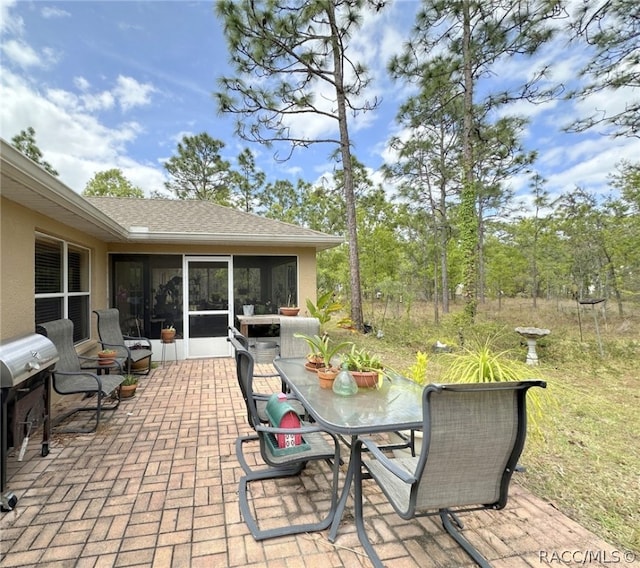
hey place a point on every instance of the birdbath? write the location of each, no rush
(532, 334)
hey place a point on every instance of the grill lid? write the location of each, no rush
(23, 357)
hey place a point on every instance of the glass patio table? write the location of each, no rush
(395, 405)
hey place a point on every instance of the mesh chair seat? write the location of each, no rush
(291, 346)
(76, 383)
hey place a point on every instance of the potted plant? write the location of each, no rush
(128, 386)
(326, 306)
(168, 334)
(289, 309)
(321, 352)
(107, 356)
(365, 367)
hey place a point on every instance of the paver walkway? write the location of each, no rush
(156, 486)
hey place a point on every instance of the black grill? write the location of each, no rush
(25, 366)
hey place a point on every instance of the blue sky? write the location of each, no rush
(117, 84)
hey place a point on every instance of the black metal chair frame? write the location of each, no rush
(111, 337)
(240, 343)
(280, 466)
(72, 375)
(405, 482)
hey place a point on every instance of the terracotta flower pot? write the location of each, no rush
(106, 357)
(314, 363)
(326, 376)
(139, 365)
(127, 391)
(366, 379)
(285, 311)
(167, 335)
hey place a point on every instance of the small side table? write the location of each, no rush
(164, 350)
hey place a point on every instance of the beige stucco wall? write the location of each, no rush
(18, 227)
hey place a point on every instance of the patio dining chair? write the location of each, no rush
(291, 346)
(259, 399)
(136, 351)
(73, 374)
(473, 435)
(243, 341)
(317, 445)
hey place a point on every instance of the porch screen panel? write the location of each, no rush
(266, 282)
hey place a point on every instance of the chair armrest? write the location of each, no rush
(116, 346)
(260, 396)
(265, 375)
(265, 396)
(388, 463)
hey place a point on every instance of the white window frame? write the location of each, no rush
(65, 294)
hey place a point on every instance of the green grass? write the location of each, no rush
(584, 457)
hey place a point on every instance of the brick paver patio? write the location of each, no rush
(157, 486)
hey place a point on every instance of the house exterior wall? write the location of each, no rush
(18, 227)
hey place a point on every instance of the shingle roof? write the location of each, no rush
(154, 220)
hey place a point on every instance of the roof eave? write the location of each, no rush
(238, 239)
(28, 184)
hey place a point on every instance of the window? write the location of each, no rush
(62, 284)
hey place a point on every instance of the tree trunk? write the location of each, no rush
(481, 271)
(349, 194)
(469, 222)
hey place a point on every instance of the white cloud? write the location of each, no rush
(21, 54)
(63, 99)
(130, 93)
(589, 163)
(49, 12)
(126, 26)
(81, 83)
(73, 141)
(9, 22)
(99, 101)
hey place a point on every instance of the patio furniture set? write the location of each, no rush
(473, 436)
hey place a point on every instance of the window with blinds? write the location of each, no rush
(62, 288)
